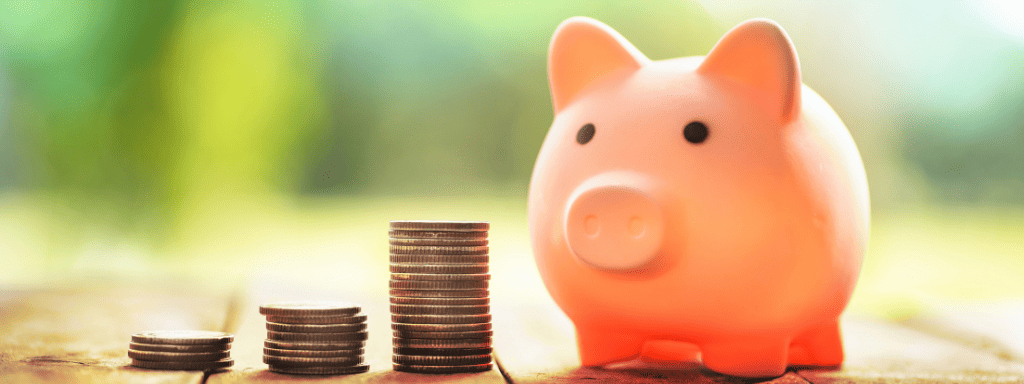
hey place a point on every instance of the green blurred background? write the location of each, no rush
(238, 139)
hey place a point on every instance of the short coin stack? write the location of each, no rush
(439, 298)
(314, 338)
(181, 350)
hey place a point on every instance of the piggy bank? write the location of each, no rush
(700, 207)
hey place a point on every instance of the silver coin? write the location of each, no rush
(439, 259)
(178, 356)
(421, 293)
(442, 351)
(399, 309)
(449, 226)
(441, 319)
(316, 337)
(440, 327)
(305, 353)
(182, 337)
(184, 365)
(402, 234)
(282, 361)
(439, 242)
(316, 328)
(315, 346)
(441, 369)
(441, 277)
(361, 368)
(309, 308)
(441, 343)
(438, 285)
(179, 348)
(439, 268)
(437, 250)
(440, 300)
(441, 360)
(323, 320)
(443, 335)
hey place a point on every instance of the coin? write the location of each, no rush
(441, 360)
(441, 368)
(438, 285)
(439, 309)
(441, 327)
(441, 351)
(361, 368)
(440, 242)
(441, 300)
(184, 365)
(309, 308)
(403, 234)
(441, 319)
(315, 346)
(443, 277)
(317, 319)
(283, 361)
(443, 335)
(317, 337)
(439, 268)
(437, 250)
(182, 337)
(179, 348)
(430, 225)
(438, 294)
(316, 328)
(303, 353)
(441, 343)
(439, 259)
(176, 356)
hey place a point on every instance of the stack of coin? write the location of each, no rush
(439, 298)
(314, 338)
(181, 350)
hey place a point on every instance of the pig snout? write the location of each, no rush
(614, 222)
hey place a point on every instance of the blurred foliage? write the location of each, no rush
(148, 117)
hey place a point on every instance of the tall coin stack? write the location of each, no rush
(314, 338)
(439, 298)
(181, 350)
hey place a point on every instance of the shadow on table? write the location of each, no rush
(647, 372)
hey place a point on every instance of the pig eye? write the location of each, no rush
(585, 134)
(695, 132)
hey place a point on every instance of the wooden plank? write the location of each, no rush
(536, 343)
(248, 349)
(80, 334)
(878, 352)
(993, 326)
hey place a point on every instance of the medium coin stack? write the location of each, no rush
(181, 350)
(314, 338)
(439, 298)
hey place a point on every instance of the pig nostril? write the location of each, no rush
(592, 225)
(636, 227)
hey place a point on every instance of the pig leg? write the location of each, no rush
(822, 345)
(747, 358)
(599, 347)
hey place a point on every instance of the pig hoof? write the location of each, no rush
(599, 348)
(746, 359)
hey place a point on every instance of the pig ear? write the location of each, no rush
(582, 51)
(759, 54)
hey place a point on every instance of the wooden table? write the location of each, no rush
(78, 332)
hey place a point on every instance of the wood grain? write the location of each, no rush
(79, 333)
(535, 343)
(880, 352)
(248, 349)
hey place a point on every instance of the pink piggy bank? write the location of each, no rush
(714, 201)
